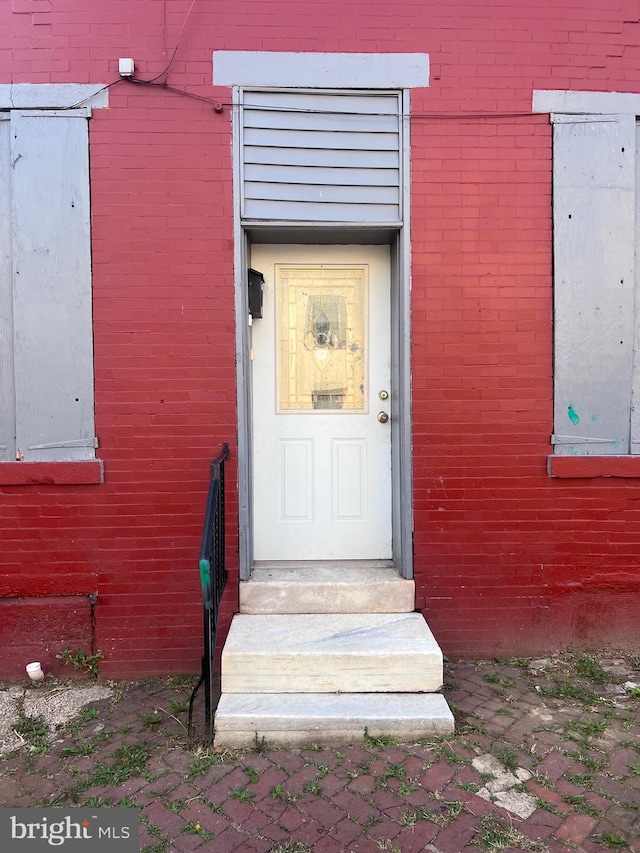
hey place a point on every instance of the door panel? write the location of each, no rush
(321, 357)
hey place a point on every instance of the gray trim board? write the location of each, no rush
(320, 70)
(323, 233)
(402, 461)
(567, 101)
(243, 372)
(36, 96)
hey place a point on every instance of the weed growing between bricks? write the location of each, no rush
(546, 757)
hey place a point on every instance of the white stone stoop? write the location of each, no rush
(315, 655)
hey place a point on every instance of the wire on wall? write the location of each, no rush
(218, 106)
(165, 70)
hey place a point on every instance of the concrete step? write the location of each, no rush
(327, 588)
(329, 653)
(329, 719)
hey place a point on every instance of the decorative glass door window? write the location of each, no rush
(320, 338)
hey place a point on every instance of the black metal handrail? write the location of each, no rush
(213, 578)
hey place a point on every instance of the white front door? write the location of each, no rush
(321, 404)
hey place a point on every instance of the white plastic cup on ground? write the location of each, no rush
(34, 671)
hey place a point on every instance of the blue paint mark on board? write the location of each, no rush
(573, 415)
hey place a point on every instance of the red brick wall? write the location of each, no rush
(508, 561)
(39, 628)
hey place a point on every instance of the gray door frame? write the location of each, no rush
(398, 238)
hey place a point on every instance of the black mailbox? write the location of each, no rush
(256, 281)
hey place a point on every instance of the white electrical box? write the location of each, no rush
(125, 67)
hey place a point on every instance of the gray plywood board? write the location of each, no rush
(594, 230)
(52, 287)
(635, 391)
(7, 395)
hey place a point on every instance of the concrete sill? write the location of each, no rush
(87, 472)
(584, 467)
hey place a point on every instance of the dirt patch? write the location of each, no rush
(55, 703)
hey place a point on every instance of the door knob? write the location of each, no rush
(383, 417)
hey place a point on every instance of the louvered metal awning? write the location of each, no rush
(321, 157)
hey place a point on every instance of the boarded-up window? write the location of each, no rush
(321, 157)
(595, 236)
(46, 346)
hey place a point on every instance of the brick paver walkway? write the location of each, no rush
(546, 757)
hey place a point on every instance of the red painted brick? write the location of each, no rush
(507, 559)
(39, 629)
(50, 473)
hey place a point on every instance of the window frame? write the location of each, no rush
(567, 461)
(73, 102)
